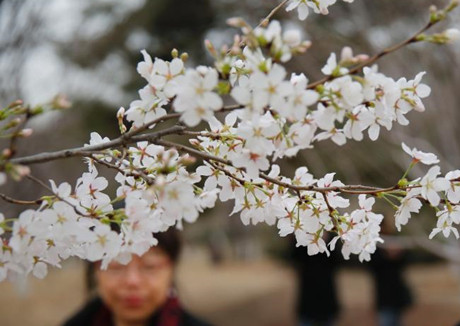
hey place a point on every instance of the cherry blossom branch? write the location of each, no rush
(129, 137)
(212, 135)
(377, 56)
(137, 174)
(87, 151)
(16, 133)
(226, 172)
(44, 185)
(191, 151)
(145, 127)
(350, 189)
(126, 136)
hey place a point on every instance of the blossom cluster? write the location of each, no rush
(318, 6)
(82, 222)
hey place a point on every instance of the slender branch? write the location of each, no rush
(226, 172)
(44, 185)
(191, 151)
(15, 135)
(374, 58)
(212, 135)
(20, 202)
(138, 173)
(329, 207)
(132, 132)
(89, 150)
(350, 189)
(130, 137)
(41, 183)
(266, 20)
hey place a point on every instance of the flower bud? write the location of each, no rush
(292, 37)
(452, 5)
(120, 113)
(174, 53)
(210, 47)
(237, 22)
(61, 102)
(347, 54)
(187, 160)
(20, 171)
(184, 56)
(6, 153)
(362, 57)
(25, 132)
(15, 103)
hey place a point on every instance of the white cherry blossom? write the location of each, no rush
(431, 185)
(444, 224)
(409, 204)
(419, 156)
(196, 99)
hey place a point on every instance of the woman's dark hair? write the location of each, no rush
(170, 242)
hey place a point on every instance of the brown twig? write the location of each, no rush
(20, 202)
(133, 132)
(137, 174)
(350, 189)
(89, 150)
(44, 185)
(266, 20)
(375, 57)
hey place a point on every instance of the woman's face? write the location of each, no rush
(136, 290)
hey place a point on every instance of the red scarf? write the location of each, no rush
(169, 315)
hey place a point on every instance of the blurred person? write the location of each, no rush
(140, 293)
(317, 301)
(393, 295)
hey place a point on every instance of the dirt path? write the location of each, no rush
(250, 294)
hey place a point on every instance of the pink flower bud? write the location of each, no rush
(347, 54)
(61, 102)
(362, 57)
(120, 112)
(6, 153)
(236, 22)
(25, 132)
(23, 170)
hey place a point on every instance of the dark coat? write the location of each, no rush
(88, 314)
(391, 288)
(317, 291)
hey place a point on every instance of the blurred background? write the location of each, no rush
(231, 274)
